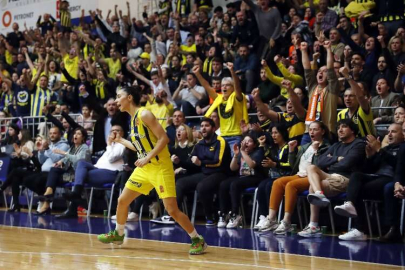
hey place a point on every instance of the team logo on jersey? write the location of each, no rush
(224, 114)
(212, 149)
(23, 96)
(161, 189)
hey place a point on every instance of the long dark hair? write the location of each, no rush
(134, 91)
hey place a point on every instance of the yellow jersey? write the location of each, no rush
(363, 121)
(229, 122)
(144, 140)
(71, 66)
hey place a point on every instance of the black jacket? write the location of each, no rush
(215, 156)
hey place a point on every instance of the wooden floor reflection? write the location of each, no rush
(26, 248)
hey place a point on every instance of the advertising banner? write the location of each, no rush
(28, 11)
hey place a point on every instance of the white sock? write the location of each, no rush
(313, 224)
(120, 229)
(193, 234)
(319, 192)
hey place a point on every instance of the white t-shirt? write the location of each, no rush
(305, 161)
(162, 86)
(187, 95)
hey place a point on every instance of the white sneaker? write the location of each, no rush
(269, 225)
(310, 231)
(259, 224)
(234, 221)
(347, 210)
(283, 228)
(154, 209)
(39, 206)
(133, 217)
(318, 199)
(222, 221)
(165, 220)
(353, 235)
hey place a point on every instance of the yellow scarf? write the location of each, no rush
(229, 105)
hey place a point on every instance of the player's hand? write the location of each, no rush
(142, 162)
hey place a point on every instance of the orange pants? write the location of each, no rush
(290, 186)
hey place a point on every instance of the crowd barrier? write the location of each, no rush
(32, 122)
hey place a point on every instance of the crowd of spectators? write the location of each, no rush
(294, 96)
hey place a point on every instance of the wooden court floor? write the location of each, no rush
(28, 248)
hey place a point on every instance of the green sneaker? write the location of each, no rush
(198, 246)
(111, 237)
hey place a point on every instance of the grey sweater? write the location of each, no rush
(269, 22)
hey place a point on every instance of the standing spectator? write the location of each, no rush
(384, 98)
(323, 89)
(268, 20)
(246, 66)
(358, 107)
(330, 18)
(231, 105)
(65, 17)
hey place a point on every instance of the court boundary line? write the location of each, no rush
(252, 250)
(140, 258)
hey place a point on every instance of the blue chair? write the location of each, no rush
(255, 210)
(4, 166)
(105, 187)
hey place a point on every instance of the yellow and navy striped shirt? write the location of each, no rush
(65, 18)
(39, 99)
(144, 140)
(363, 121)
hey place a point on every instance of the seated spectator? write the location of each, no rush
(213, 155)
(385, 98)
(247, 161)
(393, 193)
(64, 169)
(399, 118)
(23, 147)
(10, 139)
(104, 171)
(16, 175)
(331, 174)
(276, 161)
(369, 184)
(47, 158)
(183, 166)
(291, 186)
(188, 94)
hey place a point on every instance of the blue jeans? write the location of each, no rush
(95, 176)
(231, 140)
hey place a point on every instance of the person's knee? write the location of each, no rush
(123, 202)
(312, 168)
(389, 190)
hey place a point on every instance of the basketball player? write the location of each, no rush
(154, 169)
